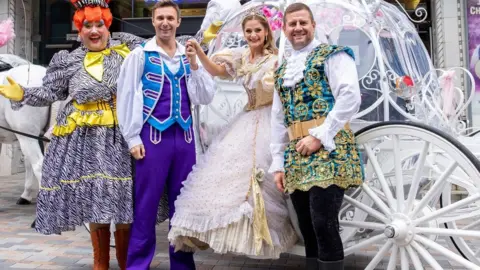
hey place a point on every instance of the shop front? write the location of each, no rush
(472, 29)
(132, 16)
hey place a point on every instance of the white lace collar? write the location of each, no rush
(296, 64)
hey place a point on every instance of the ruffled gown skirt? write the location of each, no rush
(215, 207)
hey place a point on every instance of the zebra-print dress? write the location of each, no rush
(87, 174)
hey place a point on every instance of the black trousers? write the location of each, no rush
(317, 211)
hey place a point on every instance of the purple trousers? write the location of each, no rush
(165, 165)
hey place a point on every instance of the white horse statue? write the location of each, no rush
(28, 120)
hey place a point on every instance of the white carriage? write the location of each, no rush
(422, 174)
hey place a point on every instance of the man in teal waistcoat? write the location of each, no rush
(315, 157)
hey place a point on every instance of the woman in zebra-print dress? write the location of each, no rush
(87, 174)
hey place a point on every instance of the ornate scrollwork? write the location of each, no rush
(370, 79)
(233, 40)
(420, 12)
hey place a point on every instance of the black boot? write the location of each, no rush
(333, 265)
(311, 264)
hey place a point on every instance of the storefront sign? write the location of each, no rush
(473, 37)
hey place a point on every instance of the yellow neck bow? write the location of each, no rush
(93, 61)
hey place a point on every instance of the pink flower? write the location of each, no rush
(267, 12)
(276, 24)
(6, 32)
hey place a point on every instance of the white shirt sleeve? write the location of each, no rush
(200, 86)
(279, 136)
(341, 72)
(130, 97)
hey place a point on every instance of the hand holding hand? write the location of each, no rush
(138, 152)
(194, 43)
(308, 145)
(279, 180)
(12, 91)
(191, 51)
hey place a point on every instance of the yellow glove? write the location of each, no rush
(211, 32)
(12, 91)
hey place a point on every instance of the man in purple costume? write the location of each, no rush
(158, 84)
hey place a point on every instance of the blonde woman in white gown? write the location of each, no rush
(229, 201)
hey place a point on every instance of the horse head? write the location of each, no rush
(13, 60)
(5, 66)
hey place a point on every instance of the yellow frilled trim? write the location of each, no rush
(88, 114)
(87, 177)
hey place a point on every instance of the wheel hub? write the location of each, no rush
(400, 229)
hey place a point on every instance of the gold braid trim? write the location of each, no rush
(260, 224)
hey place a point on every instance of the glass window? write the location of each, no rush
(142, 8)
(120, 9)
(58, 19)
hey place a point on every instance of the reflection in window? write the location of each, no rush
(120, 9)
(392, 54)
(142, 8)
(418, 55)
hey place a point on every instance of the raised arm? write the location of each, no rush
(54, 85)
(200, 85)
(213, 68)
(130, 97)
(130, 40)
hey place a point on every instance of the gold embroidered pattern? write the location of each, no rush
(341, 167)
(312, 98)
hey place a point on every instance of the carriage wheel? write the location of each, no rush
(407, 219)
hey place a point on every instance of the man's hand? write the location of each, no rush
(191, 51)
(193, 42)
(279, 180)
(12, 91)
(308, 145)
(138, 152)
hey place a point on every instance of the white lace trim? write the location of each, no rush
(231, 233)
(326, 132)
(324, 136)
(296, 64)
(204, 224)
(294, 69)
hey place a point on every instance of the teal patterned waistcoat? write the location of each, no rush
(309, 99)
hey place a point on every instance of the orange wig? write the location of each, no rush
(91, 13)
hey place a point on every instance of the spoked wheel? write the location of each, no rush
(112, 230)
(404, 218)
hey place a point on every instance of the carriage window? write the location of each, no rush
(418, 54)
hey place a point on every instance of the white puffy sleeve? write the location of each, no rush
(341, 72)
(279, 137)
(130, 97)
(231, 59)
(200, 86)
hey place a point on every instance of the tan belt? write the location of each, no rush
(298, 130)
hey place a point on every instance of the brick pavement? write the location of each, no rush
(22, 248)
